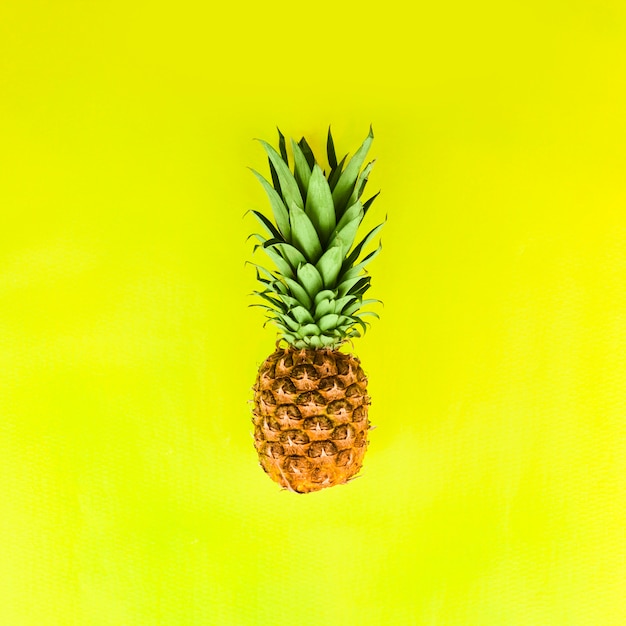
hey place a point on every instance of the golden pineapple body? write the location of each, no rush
(310, 417)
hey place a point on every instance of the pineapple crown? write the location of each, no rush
(315, 295)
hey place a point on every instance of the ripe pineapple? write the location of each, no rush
(310, 399)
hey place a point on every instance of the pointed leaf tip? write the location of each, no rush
(289, 187)
(302, 170)
(330, 148)
(308, 152)
(348, 179)
(282, 146)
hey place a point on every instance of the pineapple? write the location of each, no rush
(310, 410)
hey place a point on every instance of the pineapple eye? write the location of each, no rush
(331, 382)
(360, 440)
(267, 397)
(322, 359)
(294, 437)
(360, 413)
(318, 422)
(345, 457)
(339, 407)
(343, 367)
(274, 450)
(305, 370)
(273, 425)
(287, 361)
(284, 385)
(322, 448)
(321, 476)
(360, 375)
(288, 411)
(354, 391)
(344, 431)
(296, 464)
(311, 397)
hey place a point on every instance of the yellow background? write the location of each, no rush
(494, 488)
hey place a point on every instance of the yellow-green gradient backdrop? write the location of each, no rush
(494, 488)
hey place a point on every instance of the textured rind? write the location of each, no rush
(310, 417)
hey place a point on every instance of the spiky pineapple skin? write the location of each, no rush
(310, 417)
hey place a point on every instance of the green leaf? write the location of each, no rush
(341, 303)
(302, 171)
(354, 255)
(319, 204)
(346, 286)
(261, 306)
(361, 323)
(276, 304)
(258, 267)
(308, 153)
(353, 308)
(345, 321)
(346, 230)
(369, 201)
(330, 262)
(262, 280)
(282, 146)
(276, 321)
(288, 184)
(326, 294)
(330, 149)
(361, 286)
(275, 180)
(290, 253)
(281, 216)
(289, 300)
(335, 173)
(371, 301)
(328, 321)
(324, 308)
(290, 322)
(355, 210)
(279, 288)
(308, 330)
(327, 341)
(258, 237)
(264, 221)
(316, 341)
(304, 235)
(310, 279)
(356, 270)
(282, 265)
(370, 313)
(348, 178)
(361, 182)
(302, 315)
(299, 293)
(275, 287)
